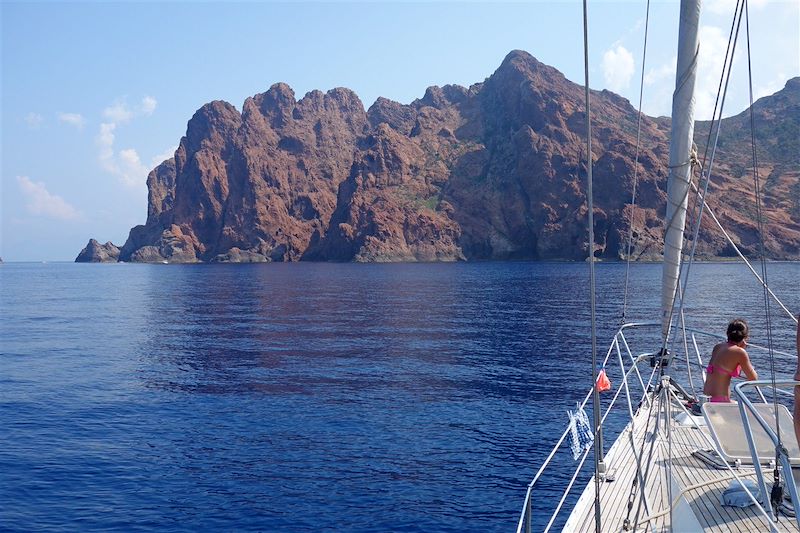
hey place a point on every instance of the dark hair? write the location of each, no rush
(738, 330)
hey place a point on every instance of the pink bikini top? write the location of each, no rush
(735, 374)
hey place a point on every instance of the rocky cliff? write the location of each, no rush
(94, 252)
(493, 171)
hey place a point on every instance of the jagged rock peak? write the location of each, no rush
(217, 117)
(346, 99)
(276, 105)
(214, 111)
(94, 252)
(522, 65)
(399, 116)
(522, 61)
(280, 107)
(440, 97)
(489, 172)
(383, 105)
(278, 96)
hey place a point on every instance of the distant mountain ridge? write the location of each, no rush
(489, 172)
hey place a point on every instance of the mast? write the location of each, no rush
(680, 148)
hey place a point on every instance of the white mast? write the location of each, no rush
(680, 147)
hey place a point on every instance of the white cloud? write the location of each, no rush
(720, 7)
(41, 202)
(728, 7)
(129, 157)
(148, 105)
(713, 46)
(34, 120)
(163, 156)
(74, 119)
(662, 73)
(713, 43)
(118, 112)
(105, 142)
(771, 87)
(126, 163)
(132, 172)
(661, 79)
(618, 67)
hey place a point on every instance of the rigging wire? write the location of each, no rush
(680, 288)
(682, 317)
(668, 430)
(706, 176)
(722, 76)
(635, 166)
(630, 430)
(692, 161)
(653, 440)
(744, 259)
(598, 428)
(653, 409)
(686, 266)
(776, 496)
(777, 490)
(637, 480)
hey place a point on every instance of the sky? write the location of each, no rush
(96, 94)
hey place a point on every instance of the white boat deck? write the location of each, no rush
(698, 485)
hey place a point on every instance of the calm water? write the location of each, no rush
(300, 397)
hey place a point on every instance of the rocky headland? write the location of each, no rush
(490, 172)
(94, 252)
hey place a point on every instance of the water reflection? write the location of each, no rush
(238, 397)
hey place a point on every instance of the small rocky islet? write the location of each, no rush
(494, 171)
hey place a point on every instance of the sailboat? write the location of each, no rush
(678, 457)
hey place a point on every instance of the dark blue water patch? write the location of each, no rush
(312, 396)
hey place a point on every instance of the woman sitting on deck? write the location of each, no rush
(728, 360)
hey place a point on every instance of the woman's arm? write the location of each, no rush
(747, 367)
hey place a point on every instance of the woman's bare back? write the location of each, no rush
(726, 360)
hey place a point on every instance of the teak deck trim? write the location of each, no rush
(687, 472)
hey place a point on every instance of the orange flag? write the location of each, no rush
(603, 383)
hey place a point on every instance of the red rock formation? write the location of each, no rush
(494, 171)
(262, 181)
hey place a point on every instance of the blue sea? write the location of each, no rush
(313, 397)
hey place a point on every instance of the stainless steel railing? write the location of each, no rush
(745, 406)
(619, 346)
